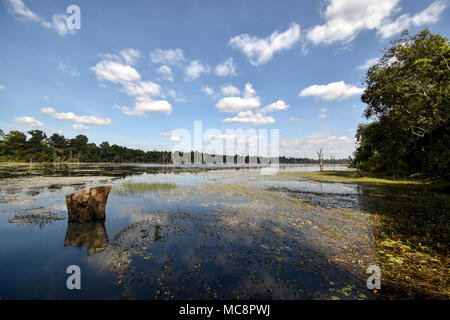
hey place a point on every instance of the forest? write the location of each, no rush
(16, 147)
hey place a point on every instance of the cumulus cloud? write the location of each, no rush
(248, 101)
(345, 19)
(293, 119)
(165, 72)
(175, 138)
(368, 64)
(261, 50)
(228, 68)
(24, 14)
(276, 106)
(229, 90)
(70, 116)
(142, 88)
(429, 15)
(168, 57)
(195, 69)
(250, 118)
(334, 90)
(146, 105)
(118, 69)
(28, 121)
(115, 72)
(338, 146)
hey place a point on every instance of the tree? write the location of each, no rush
(320, 157)
(58, 141)
(407, 94)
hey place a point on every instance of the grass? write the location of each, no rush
(349, 177)
(144, 187)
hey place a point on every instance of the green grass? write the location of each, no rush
(349, 177)
(143, 187)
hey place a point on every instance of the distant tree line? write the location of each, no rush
(407, 97)
(15, 147)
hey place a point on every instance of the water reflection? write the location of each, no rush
(91, 235)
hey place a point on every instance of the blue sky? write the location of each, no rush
(135, 71)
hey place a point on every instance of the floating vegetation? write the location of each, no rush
(130, 188)
(39, 219)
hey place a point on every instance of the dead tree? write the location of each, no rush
(320, 156)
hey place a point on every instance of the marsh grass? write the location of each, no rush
(140, 188)
(349, 177)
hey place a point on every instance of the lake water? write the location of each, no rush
(219, 234)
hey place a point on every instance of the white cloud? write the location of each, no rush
(276, 106)
(236, 104)
(130, 56)
(431, 14)
(229, 90)
(117, 69)
(338, 146)
(72, 71)
(208, 91)
(24, 14)
(170, 56)
(142, 89)
(127, 57)
(346, 18)
(228, 68)
(175, 139)
(70, 116)
(368, 64)
(1, 87)
(45, 98)
(115, 72)
(261, 50)
(174, 95)
(250, 118)
(195, 69)
(334, 90)
(323, 113)
(78, 126)
(28, 121)
(293, 119)
(146, 105)
(165, 72)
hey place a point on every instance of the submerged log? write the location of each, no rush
(87, 205)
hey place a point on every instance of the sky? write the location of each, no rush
(133, 72)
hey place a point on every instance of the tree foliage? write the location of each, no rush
(407, 96)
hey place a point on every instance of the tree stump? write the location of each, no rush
(87, 205)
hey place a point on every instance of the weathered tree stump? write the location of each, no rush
(87, 205)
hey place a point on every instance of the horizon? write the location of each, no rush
(132, 76)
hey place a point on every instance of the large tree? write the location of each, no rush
(407, 94)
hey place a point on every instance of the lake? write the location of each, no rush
(217, 233)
